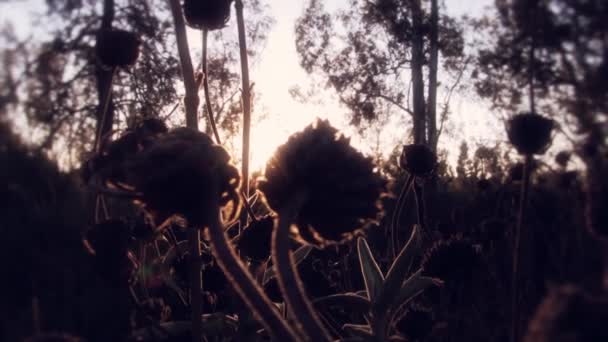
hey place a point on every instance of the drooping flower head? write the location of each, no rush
(530, 133)
(341, 187)
(177, 173)
(207, 14)
(109, 164)
(418, 160)
(569, 314)
(117, 48)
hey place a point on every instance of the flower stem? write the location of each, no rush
(516, 250)
(196, 284)
(206, 90)
(292, 288)
(246, 100)
(397, 213)
(245, 285)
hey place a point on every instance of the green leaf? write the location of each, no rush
(413, 287)
(398, 271)
(372, 275)
(349, 301)
(299, 255)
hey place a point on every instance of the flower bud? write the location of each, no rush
(117, 48)
(530, 133)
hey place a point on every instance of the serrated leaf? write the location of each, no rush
(372, 275)
(414, 286)
(298, 256)
(398, 271)
(349, 301)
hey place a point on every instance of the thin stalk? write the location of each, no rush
(104, 113)
(206, 91)
(245, 285)
(516, 250)
(397, 213)
(246, 100)
(292, 288)
(196, 283)
(420, 205)
(191, 101)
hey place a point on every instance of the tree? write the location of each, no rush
(62, 87)
(383, 52)
(553, 56)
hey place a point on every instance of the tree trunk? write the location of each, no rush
(417, 77)
(434, 61)
(104, 80)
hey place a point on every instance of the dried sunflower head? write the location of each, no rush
(109, 163)
(176, 174)
(117, 48)
(339, 186)
(207, 14)
(568, 314)
(172, 173)
(530, 133)
(418, 160)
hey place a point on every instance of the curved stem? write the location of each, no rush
(419, 191)
(245, 285)
(196, 284)
(206, 91)
(292, 288)
(516, 250)
(397, 213)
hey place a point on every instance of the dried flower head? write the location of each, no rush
(117, 48)
(171, 173)
(569, 314)
(110, 161)
(254, 241)
(418, 160)
(530, 133)
(341, 187)
(207, 14)
(176, 173)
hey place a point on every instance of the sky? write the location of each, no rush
(277, 70)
